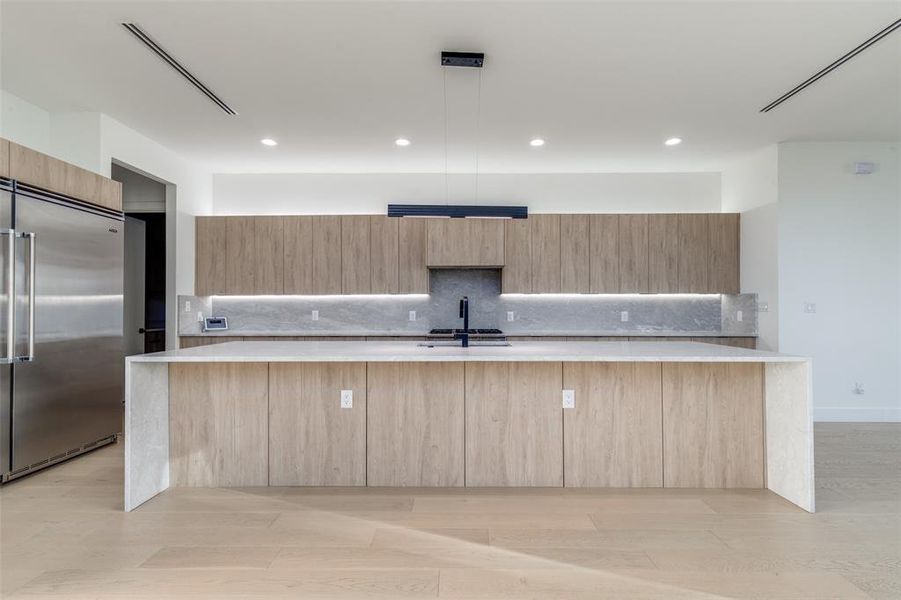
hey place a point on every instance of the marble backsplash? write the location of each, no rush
(533, 314)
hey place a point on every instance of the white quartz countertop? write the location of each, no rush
(400, 351)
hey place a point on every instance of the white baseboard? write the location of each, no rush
(857, 415)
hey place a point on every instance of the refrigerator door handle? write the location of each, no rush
(32, 247)
(10, 295)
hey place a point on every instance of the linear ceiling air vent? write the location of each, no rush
(833, 66)
(158, 50)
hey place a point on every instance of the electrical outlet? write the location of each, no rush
(314, 315)
(510, 315)
(810, 307)
(763, 307)
(739, 316)
(624, 316)
(187, 306)
(858, 389)
(411, 315)
(569, 398)
(347, 398)
(200, 316)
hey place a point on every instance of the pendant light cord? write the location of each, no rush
(478, 132)
(446, 188)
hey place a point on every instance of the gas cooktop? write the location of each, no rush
(469, 331)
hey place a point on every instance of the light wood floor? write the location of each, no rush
(64, 535)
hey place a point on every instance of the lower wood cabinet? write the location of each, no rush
(612, 435)
(514, 424)
(415, 424)
(713, 433)
(218, 424)
(312, 440)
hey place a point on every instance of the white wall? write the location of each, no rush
(750, 187)
(365, 193)
(839, 249)
(24, 123)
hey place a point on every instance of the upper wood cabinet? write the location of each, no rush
(545, 253)
(633, 254)
(43, 171)
(663, 253)
(465, 243)
(516, 277)
(384, 258)
(327, 255)
(723, 260)
(355, 252)
(574, 254)
(412, 270)
(209, 256)
(4, 158)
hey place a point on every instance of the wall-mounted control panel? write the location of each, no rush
(215, 324)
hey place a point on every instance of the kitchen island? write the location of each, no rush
(534, 414)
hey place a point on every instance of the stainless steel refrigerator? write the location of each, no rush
(61, 378)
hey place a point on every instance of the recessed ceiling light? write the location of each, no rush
(402, 142)
(268, 142)
(537, 142)
(673, 141)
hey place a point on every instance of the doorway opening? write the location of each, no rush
(144, 204)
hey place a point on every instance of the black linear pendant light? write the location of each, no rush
(459, 211)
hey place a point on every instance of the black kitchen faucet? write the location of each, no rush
(464, 314)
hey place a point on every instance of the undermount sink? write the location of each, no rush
(458, 344)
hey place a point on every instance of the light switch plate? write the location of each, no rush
(810, 307)
(739, 316)
(347, 398)
(569, 398)
(510, 315)
(624, 316)
(411, 315)
(315, 315)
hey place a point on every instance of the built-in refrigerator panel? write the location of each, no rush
(7, 255)
(71, 393)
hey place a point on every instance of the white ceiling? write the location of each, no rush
(336, 82)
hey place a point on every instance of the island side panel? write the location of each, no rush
(612, 436)
(218, 424)
(313, 440)
(713, 425)
(415, 424)
(514, 424)
(789, 433)
(146, 431)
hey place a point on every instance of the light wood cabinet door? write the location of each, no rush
(713, 425)
(514, 424)
(36, 168)
(574, 252)
(612, 437)
(749, 343)
(269, 255)
(4, 158)
(384, 254)
(693, 249)
(355, 263)
(218, 424)
(209, 256)
(312, 440)
(465, 243)
(603, 260)
(413, 272)
(545, 254)
(192, 341)
(516, 276)
(110, 194)
(723, 263)
(298, 233)
(415, 424)
(240, 255)
(633, 254)
(327, 255)
(663, 254)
